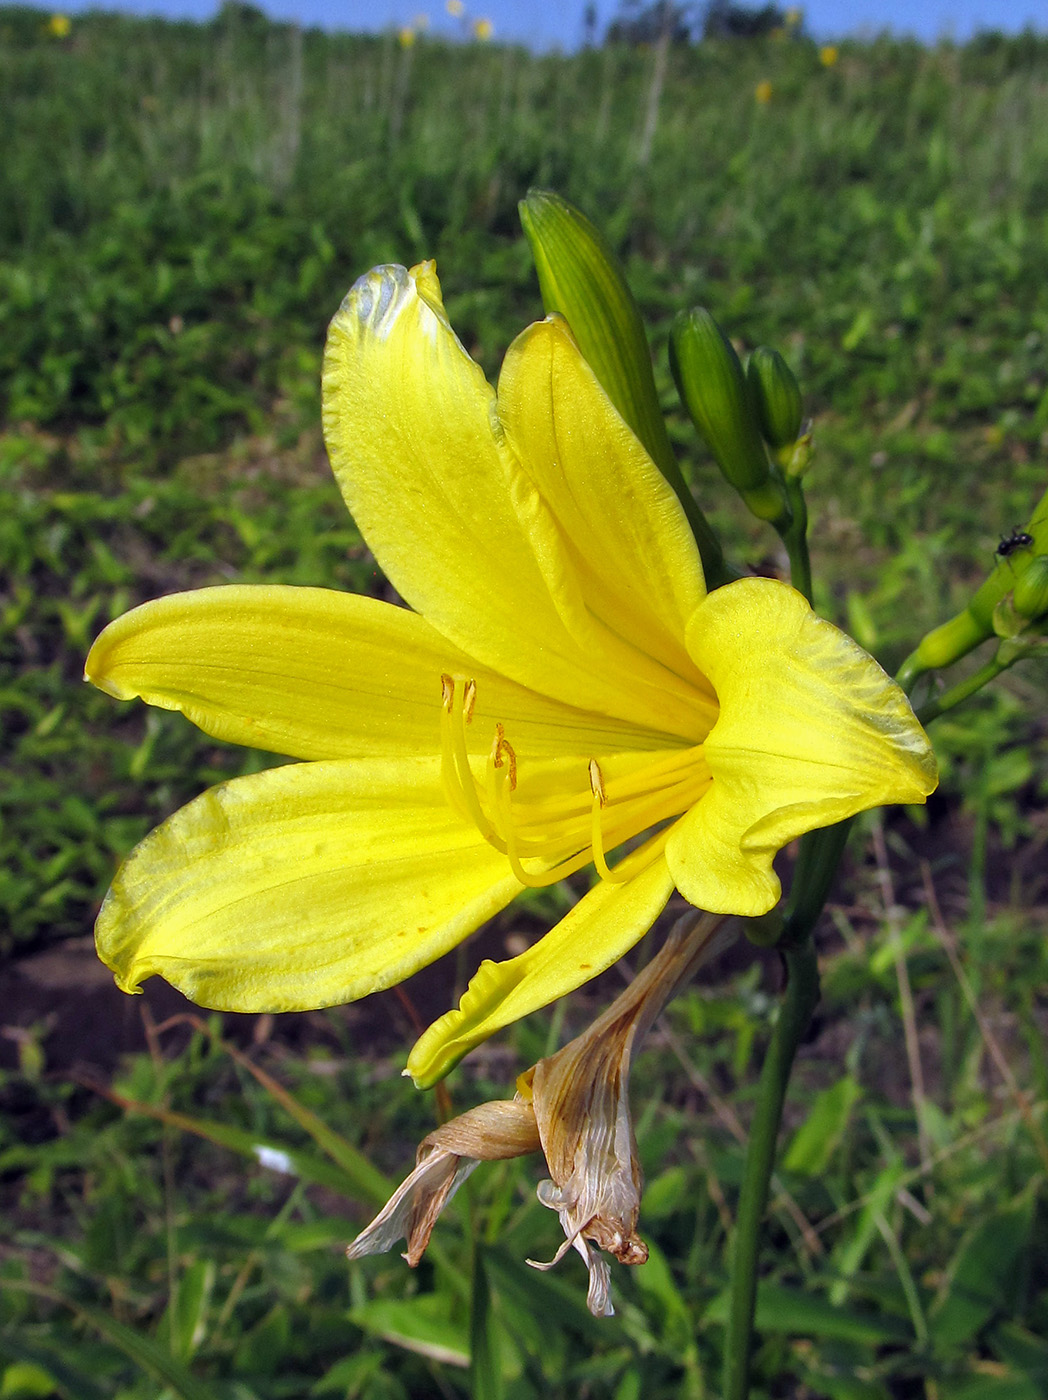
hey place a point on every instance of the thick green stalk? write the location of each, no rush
(795, 538)
(799, 1002)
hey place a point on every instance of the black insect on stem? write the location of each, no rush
(1017, 540)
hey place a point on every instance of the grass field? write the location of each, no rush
(181, 210)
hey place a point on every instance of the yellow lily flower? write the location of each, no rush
(563, 686)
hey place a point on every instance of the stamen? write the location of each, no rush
(504, 747)
(456, 776)
(600, 799)
(540, 879)
(448, 777)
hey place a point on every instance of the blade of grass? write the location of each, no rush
(136, 1346)
(280, 1158)
(368, 1182)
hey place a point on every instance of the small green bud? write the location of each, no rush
(713, 389)
(776, 397)
(795, 458)
(1007, 623)
(1030, 595)
(765, 930)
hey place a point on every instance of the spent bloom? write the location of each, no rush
(575, 1106)
(560, 686)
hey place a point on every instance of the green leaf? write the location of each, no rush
(816, 1140)
(982, 1279)
(788, 1311)
(996, 1388)
(187, 1312)
(485, 1366)
(137, 1346)
(848, 1256)
(24, 1380)
(423, 1324)
(290, 1160)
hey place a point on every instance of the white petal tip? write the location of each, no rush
(376, 299)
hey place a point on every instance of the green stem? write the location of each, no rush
(817, 861)
(938, 704)
(799, 1002)
(795, 538)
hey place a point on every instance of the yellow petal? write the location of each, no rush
(318, 674)
(635, 556)
(811, 731)
(413, 434)
(604, 925)
(302, 886)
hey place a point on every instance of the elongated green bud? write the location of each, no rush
(776, 397)
(713, 389)
(581, 279)
(1030, 595)
(984, 616)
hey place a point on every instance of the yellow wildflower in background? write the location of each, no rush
(564, 686)
(828, 55)
(762, 92)
(405, 36)
(455, 8)
(483, 30)
(60, 26)
(794, 17)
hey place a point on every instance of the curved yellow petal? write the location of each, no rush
(811, 731)
(314, 673)
(302, 886)
(634, 553)
(415, 442)
(604, 925)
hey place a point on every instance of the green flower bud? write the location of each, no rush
(985, 614)
(1007, 623)
(795, 459)
(776, 397)
(582, 280)
(1030, 595)
(765, 930)
(713, 389)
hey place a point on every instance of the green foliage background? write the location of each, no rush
(181, 209)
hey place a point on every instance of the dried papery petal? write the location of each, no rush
(581, 1101)
(491, 1132)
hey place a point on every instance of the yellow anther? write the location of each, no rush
(600, 799)
(504, 753)
(460, 787)
(597, 782)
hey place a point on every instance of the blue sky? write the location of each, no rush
(546, 23)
